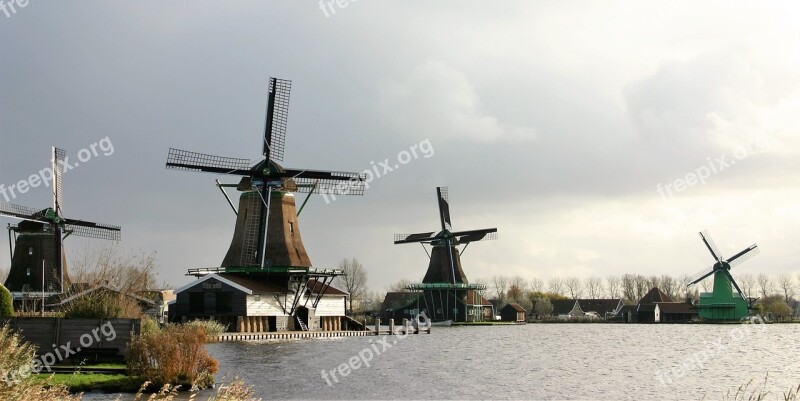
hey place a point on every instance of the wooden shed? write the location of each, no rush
(512, 312)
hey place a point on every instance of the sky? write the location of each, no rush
(598, 137)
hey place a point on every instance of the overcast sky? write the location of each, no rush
(564, 124)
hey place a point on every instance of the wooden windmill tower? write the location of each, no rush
(444, 291)
(266, 242)
(723, 304)
(38, 261)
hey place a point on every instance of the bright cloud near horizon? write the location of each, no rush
(598, 137)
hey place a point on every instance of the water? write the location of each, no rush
(537, 361)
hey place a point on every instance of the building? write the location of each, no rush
(252, 304)
(658, 307)
(578, 308)
(513, 312)
(464, 305)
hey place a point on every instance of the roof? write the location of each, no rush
(601, 306)
(399, 300)
(677, 308)
(563, 306)
(647, 307)
(314, 286)
(514, 306)
(473, 296)
(655, 295)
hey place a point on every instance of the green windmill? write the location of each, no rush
(723, 304)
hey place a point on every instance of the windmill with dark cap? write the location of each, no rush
(723, 304)
(445, 293)
(266, 244)
(38, 261)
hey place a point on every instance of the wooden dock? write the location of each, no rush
(377, 330)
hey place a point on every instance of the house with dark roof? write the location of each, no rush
(566, 308)
(513, 312)
(252, 304)
(656, 307)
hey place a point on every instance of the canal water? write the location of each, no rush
(536, 361)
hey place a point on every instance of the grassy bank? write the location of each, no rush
(83, 382)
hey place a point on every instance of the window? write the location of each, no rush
(196, 302)
(29, 271)
(30, 251)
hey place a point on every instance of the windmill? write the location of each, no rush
(38, 262)
(722, 303)
(267, 236)
(445, 285)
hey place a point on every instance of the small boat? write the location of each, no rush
(442, 323)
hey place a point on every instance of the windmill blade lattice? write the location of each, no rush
(18, 212)
(194, 161)
(98, 231)
(59, 157)
(743, 256)
(712, 247)
(444, 208)
(277, 117)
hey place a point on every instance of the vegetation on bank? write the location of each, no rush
(162, 362)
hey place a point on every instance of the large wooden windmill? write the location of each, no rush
(266, 242)
(445, 291)
(38, 261)
(723, 303)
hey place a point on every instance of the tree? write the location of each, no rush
(555, 285)
(3, 274)
(6, 302)
(786, 285)
(777, 306)
(354, 279)
(670, 286)
(129, 272)
(399, 286)
(612, 286)
(536, 285)
(765, 285)
(747, 282)
(543, 306)
(629, 288)
(500, 285)
(574, 287)
(595, 287)
(642, 286)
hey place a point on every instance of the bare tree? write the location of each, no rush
(399, 286)
(129, 272)
(3, 274)
(786, 285)
(642, 286)
(670, 286)
(747, 282)
(354, 279)
(574, 287)
(500, 284)
(654, 282)
(517, 292)
(536, 285)
(765, 285)
(707, 284)
(594, 285)
(555, 285)
(613, 286)
(629, 287)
